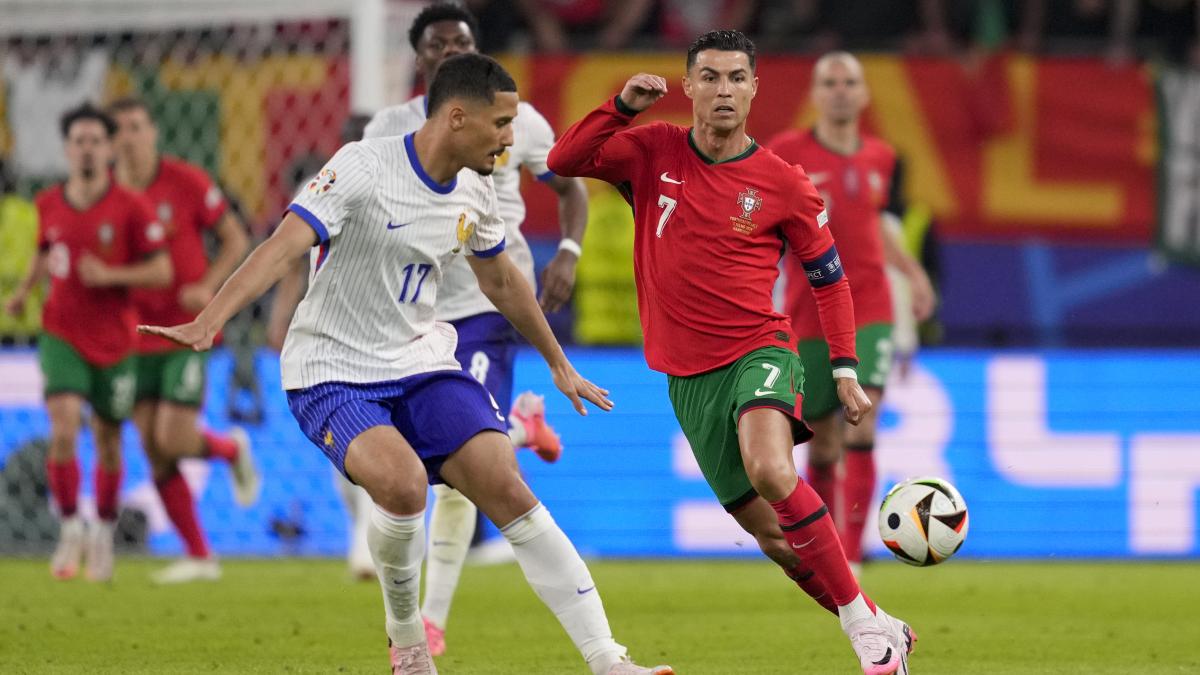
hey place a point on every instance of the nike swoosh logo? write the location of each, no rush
(439, 542)
(667, 179)
(805, 543)
(401, 582)
(390, 226)
(819, 177)
(581, 591)
(761, 392)
(887, 656)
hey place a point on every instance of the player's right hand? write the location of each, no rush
(15, 305)
(576, 388)
(195, 335)
(643, 90)
(854, 400)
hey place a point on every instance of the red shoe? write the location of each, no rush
(529, 410)
(436, 637)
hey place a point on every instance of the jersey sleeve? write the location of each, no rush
(601, 145)
(811, 242)
(341, 187)
(146, 234)
(539, 139)
(211, 199)
(387, 122)
(487, 239)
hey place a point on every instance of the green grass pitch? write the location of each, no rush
(703, 617)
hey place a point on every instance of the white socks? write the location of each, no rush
(398, 544)
(451, 527)
(561, 579)
(857, 610)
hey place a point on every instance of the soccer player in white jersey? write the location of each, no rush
(486, 341)
(371, 375)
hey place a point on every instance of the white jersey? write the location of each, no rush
(460, 296)
(387, 232)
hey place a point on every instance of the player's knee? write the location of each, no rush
(396, 492)
(772, 477)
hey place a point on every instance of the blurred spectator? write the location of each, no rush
(18, 240)
(821, 25)
(561, 24)
(680, 21)
(500, 18)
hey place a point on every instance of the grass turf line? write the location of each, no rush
(703, 617)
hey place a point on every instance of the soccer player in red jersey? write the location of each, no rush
(853, 171)
(171, 379)
(96, 241)
(714, 211)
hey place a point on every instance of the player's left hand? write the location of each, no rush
(576, 388)
(854, 400)
(924, 299)
(194, 297)
(92, 271)
(558, 280)
(195, 335)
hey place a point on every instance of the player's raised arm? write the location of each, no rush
(266, 265)
(503, 284)
(595, 147)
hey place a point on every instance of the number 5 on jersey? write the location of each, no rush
(668, 207)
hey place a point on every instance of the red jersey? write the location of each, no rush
(187, 203)
(855, 189)
(708, 240)
(119, 229)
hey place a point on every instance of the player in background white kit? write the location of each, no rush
(371, 375)
(486, 342)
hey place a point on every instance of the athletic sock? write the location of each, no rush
(451, 526)
(397, 546)
(561, 579)
(516, 434)
(808, 582)
(108, 491)
(809, 529)
(219, 446)
(824, 481)
(63, 478)
(177, 500)
(858, 489)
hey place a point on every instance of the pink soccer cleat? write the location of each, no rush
(414, 660)
(436, 637)
(871, 643)
(900, 635)
(529, 410)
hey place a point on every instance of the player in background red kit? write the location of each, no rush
(713, 212)
(170, 379)
(853, 172)
(96, 241)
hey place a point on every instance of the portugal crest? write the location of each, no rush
(749, 202)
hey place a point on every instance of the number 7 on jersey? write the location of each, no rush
(668, 205)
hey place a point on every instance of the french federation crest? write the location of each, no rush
(749, 202)
(464, 232)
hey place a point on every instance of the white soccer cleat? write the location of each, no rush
(900, 635)
(187, 570)
(246, 481)
(100, 551)
(64, 564)
(627, 667)
(874, 648)
(414, 660)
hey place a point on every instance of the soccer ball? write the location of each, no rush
(923, 520)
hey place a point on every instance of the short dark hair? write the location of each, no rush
(441, 11)
(724, 41)
(468, 76)
(86, 111)
(127, 103)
